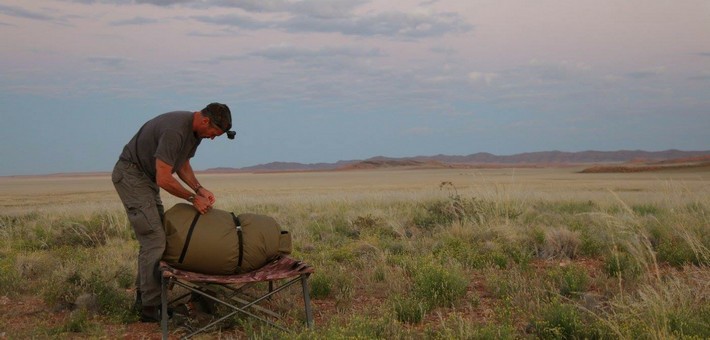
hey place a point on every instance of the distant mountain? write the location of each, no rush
(552, 157)
(285, 166)
(537, 159)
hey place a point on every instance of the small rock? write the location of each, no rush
(87, 301)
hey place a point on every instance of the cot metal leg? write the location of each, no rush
(164, 306)
(307, 300)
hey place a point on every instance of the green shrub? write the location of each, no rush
(454, 208)
(374, 226)
(125, 277)
(11, 282)
(669, 308)
(62, 287)
(462, 250)
(520, 255)
(591, 241)
(88, 231)
(357, 327)
(394, 246)
(534, 240)
(573, 280)
(457, 328)
(409, 309)
(463, 209)
(501, 286)
(621, 264)
(676, 252)
(491, 331)
(341, 255)
(111, 300)
(574, 207)
(439, 286)
(561, 321)
(347, 230)
(321, 286)
(690, 323)
(378, 274)
(78, 322)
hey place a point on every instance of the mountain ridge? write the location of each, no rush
(531, 159)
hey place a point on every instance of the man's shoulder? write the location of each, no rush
(175, 120)
(173, 115)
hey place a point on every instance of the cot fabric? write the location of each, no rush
(282, 268)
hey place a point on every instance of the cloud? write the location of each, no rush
(482, 76)
(23, 13)
(314, 8)
(291, 52)
(164, 2)
(134, 21)
(256, 6)
(326, 9)
(234, 20)
(704, 54)
(645, 74)
(391, 24)
(117, 63)
(322, 16)
(108, 2)
(704, 76)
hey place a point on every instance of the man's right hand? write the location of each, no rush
(202, 204)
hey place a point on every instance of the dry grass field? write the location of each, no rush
(442, 253)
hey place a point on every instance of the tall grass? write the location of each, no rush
(446, 262)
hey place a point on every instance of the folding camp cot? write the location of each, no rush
(278, 270)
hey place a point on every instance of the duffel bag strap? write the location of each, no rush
(189, 236)
(240, 240)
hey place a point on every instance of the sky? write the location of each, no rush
(328, 80)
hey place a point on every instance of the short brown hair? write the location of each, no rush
(219, 115)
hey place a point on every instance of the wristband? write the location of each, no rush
(198, 188)
(191, 199)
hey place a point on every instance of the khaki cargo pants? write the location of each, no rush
(141, 198)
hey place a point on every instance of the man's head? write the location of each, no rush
(220, 118)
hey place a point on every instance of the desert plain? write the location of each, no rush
(399, 253)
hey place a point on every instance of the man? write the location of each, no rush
(163, 146)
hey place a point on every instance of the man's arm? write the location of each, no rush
(187, 175)
(164, 178)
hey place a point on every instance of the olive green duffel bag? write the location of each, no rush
(221, 243)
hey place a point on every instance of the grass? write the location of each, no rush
(402, 254)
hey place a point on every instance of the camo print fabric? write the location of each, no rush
(282, 268)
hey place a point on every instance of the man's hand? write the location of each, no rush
(206, 194)
(202, 204)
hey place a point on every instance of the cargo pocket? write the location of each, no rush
(116, 176)
(144, 220)
(285, 242)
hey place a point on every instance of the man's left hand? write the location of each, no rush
(206, 194)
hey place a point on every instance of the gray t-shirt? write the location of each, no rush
(168, 137)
